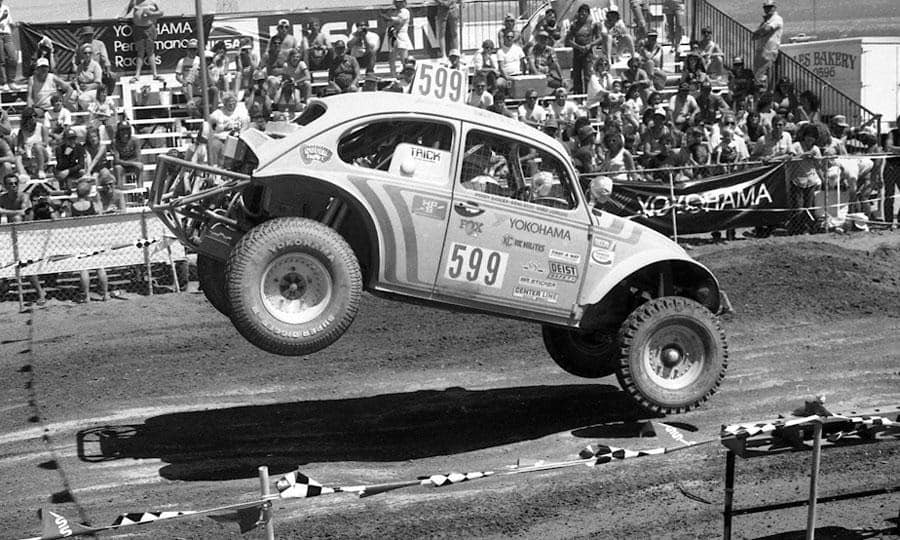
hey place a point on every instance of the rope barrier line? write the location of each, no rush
(140, 244)
(297, 485)
(37, 417)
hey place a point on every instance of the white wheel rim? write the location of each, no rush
(674, 356)
(296, 288)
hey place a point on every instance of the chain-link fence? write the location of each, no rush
(85, 258)
(853, 192)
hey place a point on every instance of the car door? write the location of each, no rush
(403, 168)
(517, 238)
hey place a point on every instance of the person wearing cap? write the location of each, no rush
(258, 102)
(44, 50)
(583, 35)
(617, 39)
(711, 54)
(658, 127)
(542, 61)
(8, 53)
(583, 153)
(364, 46)
(674, 12)
(509, 25)
(144, 15)
(530, 111)
(651, 54)
(741, 81)
(767, 41)
(447, 26)
(88, 78)
(486, 63)
(344, 73)
(70, 160)
(42, 85)
(286, 42)
(453, 60)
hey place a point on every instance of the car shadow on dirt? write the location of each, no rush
(223, 444)
(835, 533)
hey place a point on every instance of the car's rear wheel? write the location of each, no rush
(584, 354)
(211, 275)
(674, 354)
(294, 286)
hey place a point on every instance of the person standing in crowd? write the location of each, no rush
(891, 174)
(8, 53)
(741, 82)
(16, 207)
(187, 71)
(343, 76)
(43, 85)
(651, 54)
(447, 30)
(70, 160)
(618, 39)
(364, 45)
(548, 23)
(805, 174)
(398, 35)
(144, 15)
(246, 64)
(767, 41)
(531, 112)
(640, 15)
(319, 47)
(284, 41)
(583, 35)
(674, 12)
(126, 155)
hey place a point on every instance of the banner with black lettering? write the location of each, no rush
(748, 198)
(340, 24)
(116, 34)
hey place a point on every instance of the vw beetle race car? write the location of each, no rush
(423, 200)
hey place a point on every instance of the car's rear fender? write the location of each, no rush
(305, 196)
(609, 299)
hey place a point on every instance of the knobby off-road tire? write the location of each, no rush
(590, 355)
(211, 275)
(294, 286)
(674, 354)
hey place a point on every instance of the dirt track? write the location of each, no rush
(411, 391)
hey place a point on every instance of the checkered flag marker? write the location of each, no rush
(296, 485)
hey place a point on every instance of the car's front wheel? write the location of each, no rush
(584, 354)
(294, 286)
(674, 354)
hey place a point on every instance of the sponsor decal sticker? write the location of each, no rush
(472, 227)
(602, 257)
(563, 272)
(467, 211)
(314, 152)
(535, 294)
(604, 243)
(511, 241)
(430, 208)
(537, 282)
(565, 256)
(544, 229)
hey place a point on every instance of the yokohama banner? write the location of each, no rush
(755, 196)
(174, 32)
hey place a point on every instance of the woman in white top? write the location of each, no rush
(228, 120)
(398, 35)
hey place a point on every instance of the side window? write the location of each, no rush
(515, 169)
(411, 148)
